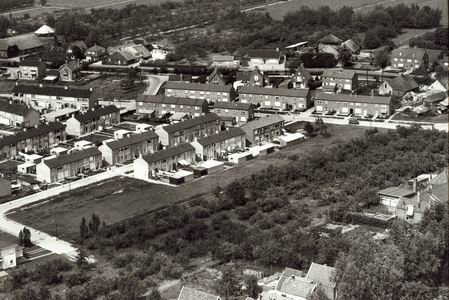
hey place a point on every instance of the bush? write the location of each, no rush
(245, 212)
(76, 279)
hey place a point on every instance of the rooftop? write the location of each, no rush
(262, 122)
(341, 73)
(322, 274)
(31, 132)
(52, 90)
(14, 108)
(232, 105)
(131, 140)
(403, 83)
(302, 93)
(171, 100)
(354, 98)
(167, 153)
(264, 53)
(396, 192)
(72, 157)
(331, 40)
(31, 63)
(96, 113)
(198, 86)
(221, 136)
(210, 117)
(192, 294)
(24, 41)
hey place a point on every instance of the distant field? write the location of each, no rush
(102, 3)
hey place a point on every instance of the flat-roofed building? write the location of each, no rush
(210, 92)
(93, 120)
(266, 60)
(239, 112)
(186, 131)
(36, 138)
(345, 104)
(150, 165)
(265, 129)
(17, 115)
(216, 145)
(339, 80)
(282, 99)
(69, 165)
(161, 105)
(45, 97)
(129, 147)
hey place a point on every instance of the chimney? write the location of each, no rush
(419, 199)
(415, 183)
(17, 83)
(91, 89)
(293, 277)
(66, 87)
(41, 85)
(372, 93)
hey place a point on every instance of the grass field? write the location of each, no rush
(102, 3)
(118, 199)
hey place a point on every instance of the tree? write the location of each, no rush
(43, 2)
(84, 230)
(381, 59)
(217, 191)
(344, 57)
(26, 234)
(94, 224)
(81, 258)
(308, 128)
(20, 238)
(372, 40)
(318, 294)
(321, 126)
(235, 192)
(252, 288)
(228, 285)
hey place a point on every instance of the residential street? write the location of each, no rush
(154, 84)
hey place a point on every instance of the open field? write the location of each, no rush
(102, 3)
(407, 34)
(122, 198)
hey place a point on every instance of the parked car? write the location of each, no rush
(353, 120)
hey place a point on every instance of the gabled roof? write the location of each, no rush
(325, 48)
(96, 113)
(24, 42)
(31, 132)
(441, 178)
(341, 73)
(31, 63)
(96, 48)
(396, 192)
(262, 122)
(72, 157)
(351, 45)
(354, 98)
(222, 58)
(435, 97)
(52, 90)
(243, 76)
(214, 73)
(264, 53)
(45, 29)
(232, 105)
(331, 40)
(302, 93)
(131, 140)
(403, 83)
(192, 294)
(409, 53)
(322, 274)
(198, 87)
(221, 136)
(73, 65)
(169, 152)
(14, 108)
(296, 286)
(171, 100)
(303, 71)
(138, 50)
(79, 44)
(210, 117)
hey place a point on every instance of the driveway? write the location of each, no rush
(154, 84)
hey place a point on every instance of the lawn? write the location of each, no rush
(121, 198)
(408, 115)
(102, 3)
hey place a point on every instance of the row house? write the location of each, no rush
(216, 145)
(69, 165)
(342, 79)
(17, 115)
(45, 97)
(266, 60)
(129, 147)
(209, 92)
(409, 58)
(31, 70)
(187, 131)
(93, 120)
(37, 138)
(283, 99)
(161, 105)
(344, 104)
(234, 112)
(264, 129)
(150, 165)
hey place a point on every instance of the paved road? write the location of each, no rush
(42, 239)
(154, 84)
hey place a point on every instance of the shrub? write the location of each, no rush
(245, 212)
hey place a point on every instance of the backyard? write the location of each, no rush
(112, 199)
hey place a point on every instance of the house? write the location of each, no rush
(389, 197)
(48, 97)
(31, 70)
(239, 112)
(64, 166)
(192, 294)
(10, 252)
(215, 78)
(167, 160)
(324, 276)
(409, 58)
(96, 53)
(282, 99)
(69, 71)
(209, 92)
(330, 39)
(301, 78)
(45, 31)
(139, 51)
(265, 129)
(187, 131)
(5, 187)
(36, 138)
(433, 100)
(71, 52)
(345, 104)
(19, 45)
(129, 147)
(17, 115)
(160, 105)
(439, 85)
(341, 79)
(216, 145)
(266, 60)
(330, 49)
(254, 78)
(225, 61)
(351, 46)
(398, 86)
(123, 58)
(159, 52)
(93, 120)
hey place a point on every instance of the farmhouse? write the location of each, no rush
(32, 139)
(216, 145)
(17, 115)
(344, 104)
(266, 60)
(238, 112)
(68, 165)
(283, 99)
(20, 45)
(324, 276)
(129, 147)
(96, 53)
(339, 80)
(192, 294)
(121, 58)
(209, 92)
(150, 165)
(161, 105)
(398, 86)
(31, 70)
(93, 120)
(45, 97)
(264, 129)
(187, 131)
